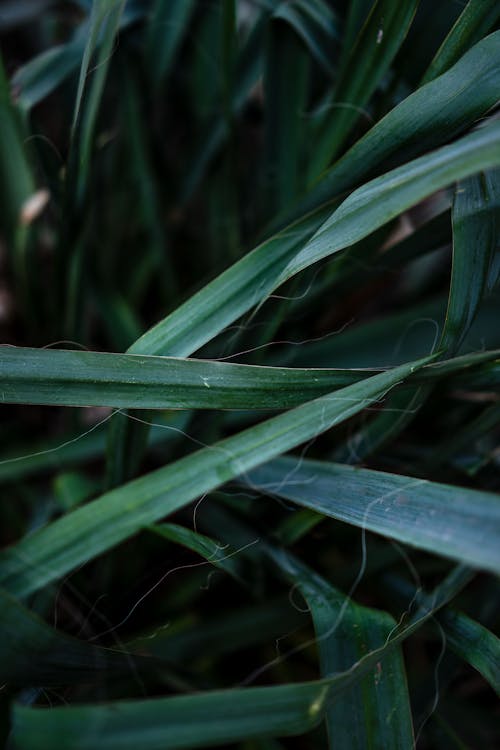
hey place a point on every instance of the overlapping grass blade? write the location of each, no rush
(94, 528)
(376, 711)
(426, 119)
(33, 653)
(202, 720)
(476, 20)
(253, 278)
(79, 378)
(474, 643)
(370, 58)
(455, 522)
(476, 237)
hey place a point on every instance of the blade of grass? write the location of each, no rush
(50, 553)
(452, 521)
(427, 118)
(476, 237)
(252, 279)
(374, 49)
(202, 719)
(376, 711)
(474, 643)
(80, 378)
(476, 19)
(33, 653)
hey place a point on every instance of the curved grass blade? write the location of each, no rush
(222, 556)
(252, 279)
(376, 711)
(476, 237)
(94, 528)
(203, 719)
(33, 653)
(474, 643)
(427, 118)
(476, 19)
(459, 523)
(315, 22)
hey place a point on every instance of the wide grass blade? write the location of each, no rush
(203, 720)
(79, 378)
(456, 522)
(253, 278)
(426, 119)
(376, 711)
(50, 553)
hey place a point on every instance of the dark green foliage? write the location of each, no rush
(297, 549)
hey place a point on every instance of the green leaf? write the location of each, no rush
(222, 556)
(80, 378)
(473, 643)
(252, 279)
(167, 25)
(476, 19)
(33, 653)
(476, 237)
(104, 24)
(203, 719)
(376, 711)
(94, 528)
(452, 521)
(427, 118)
(374, 49)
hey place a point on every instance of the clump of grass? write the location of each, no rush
(249, 373)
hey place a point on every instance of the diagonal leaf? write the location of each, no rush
(476, 19)
(474, 643)
(251, 279)
(452, 521)
(374, 49)
(203, 719)
(426, 119)
(33, 653)
(94, 528)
